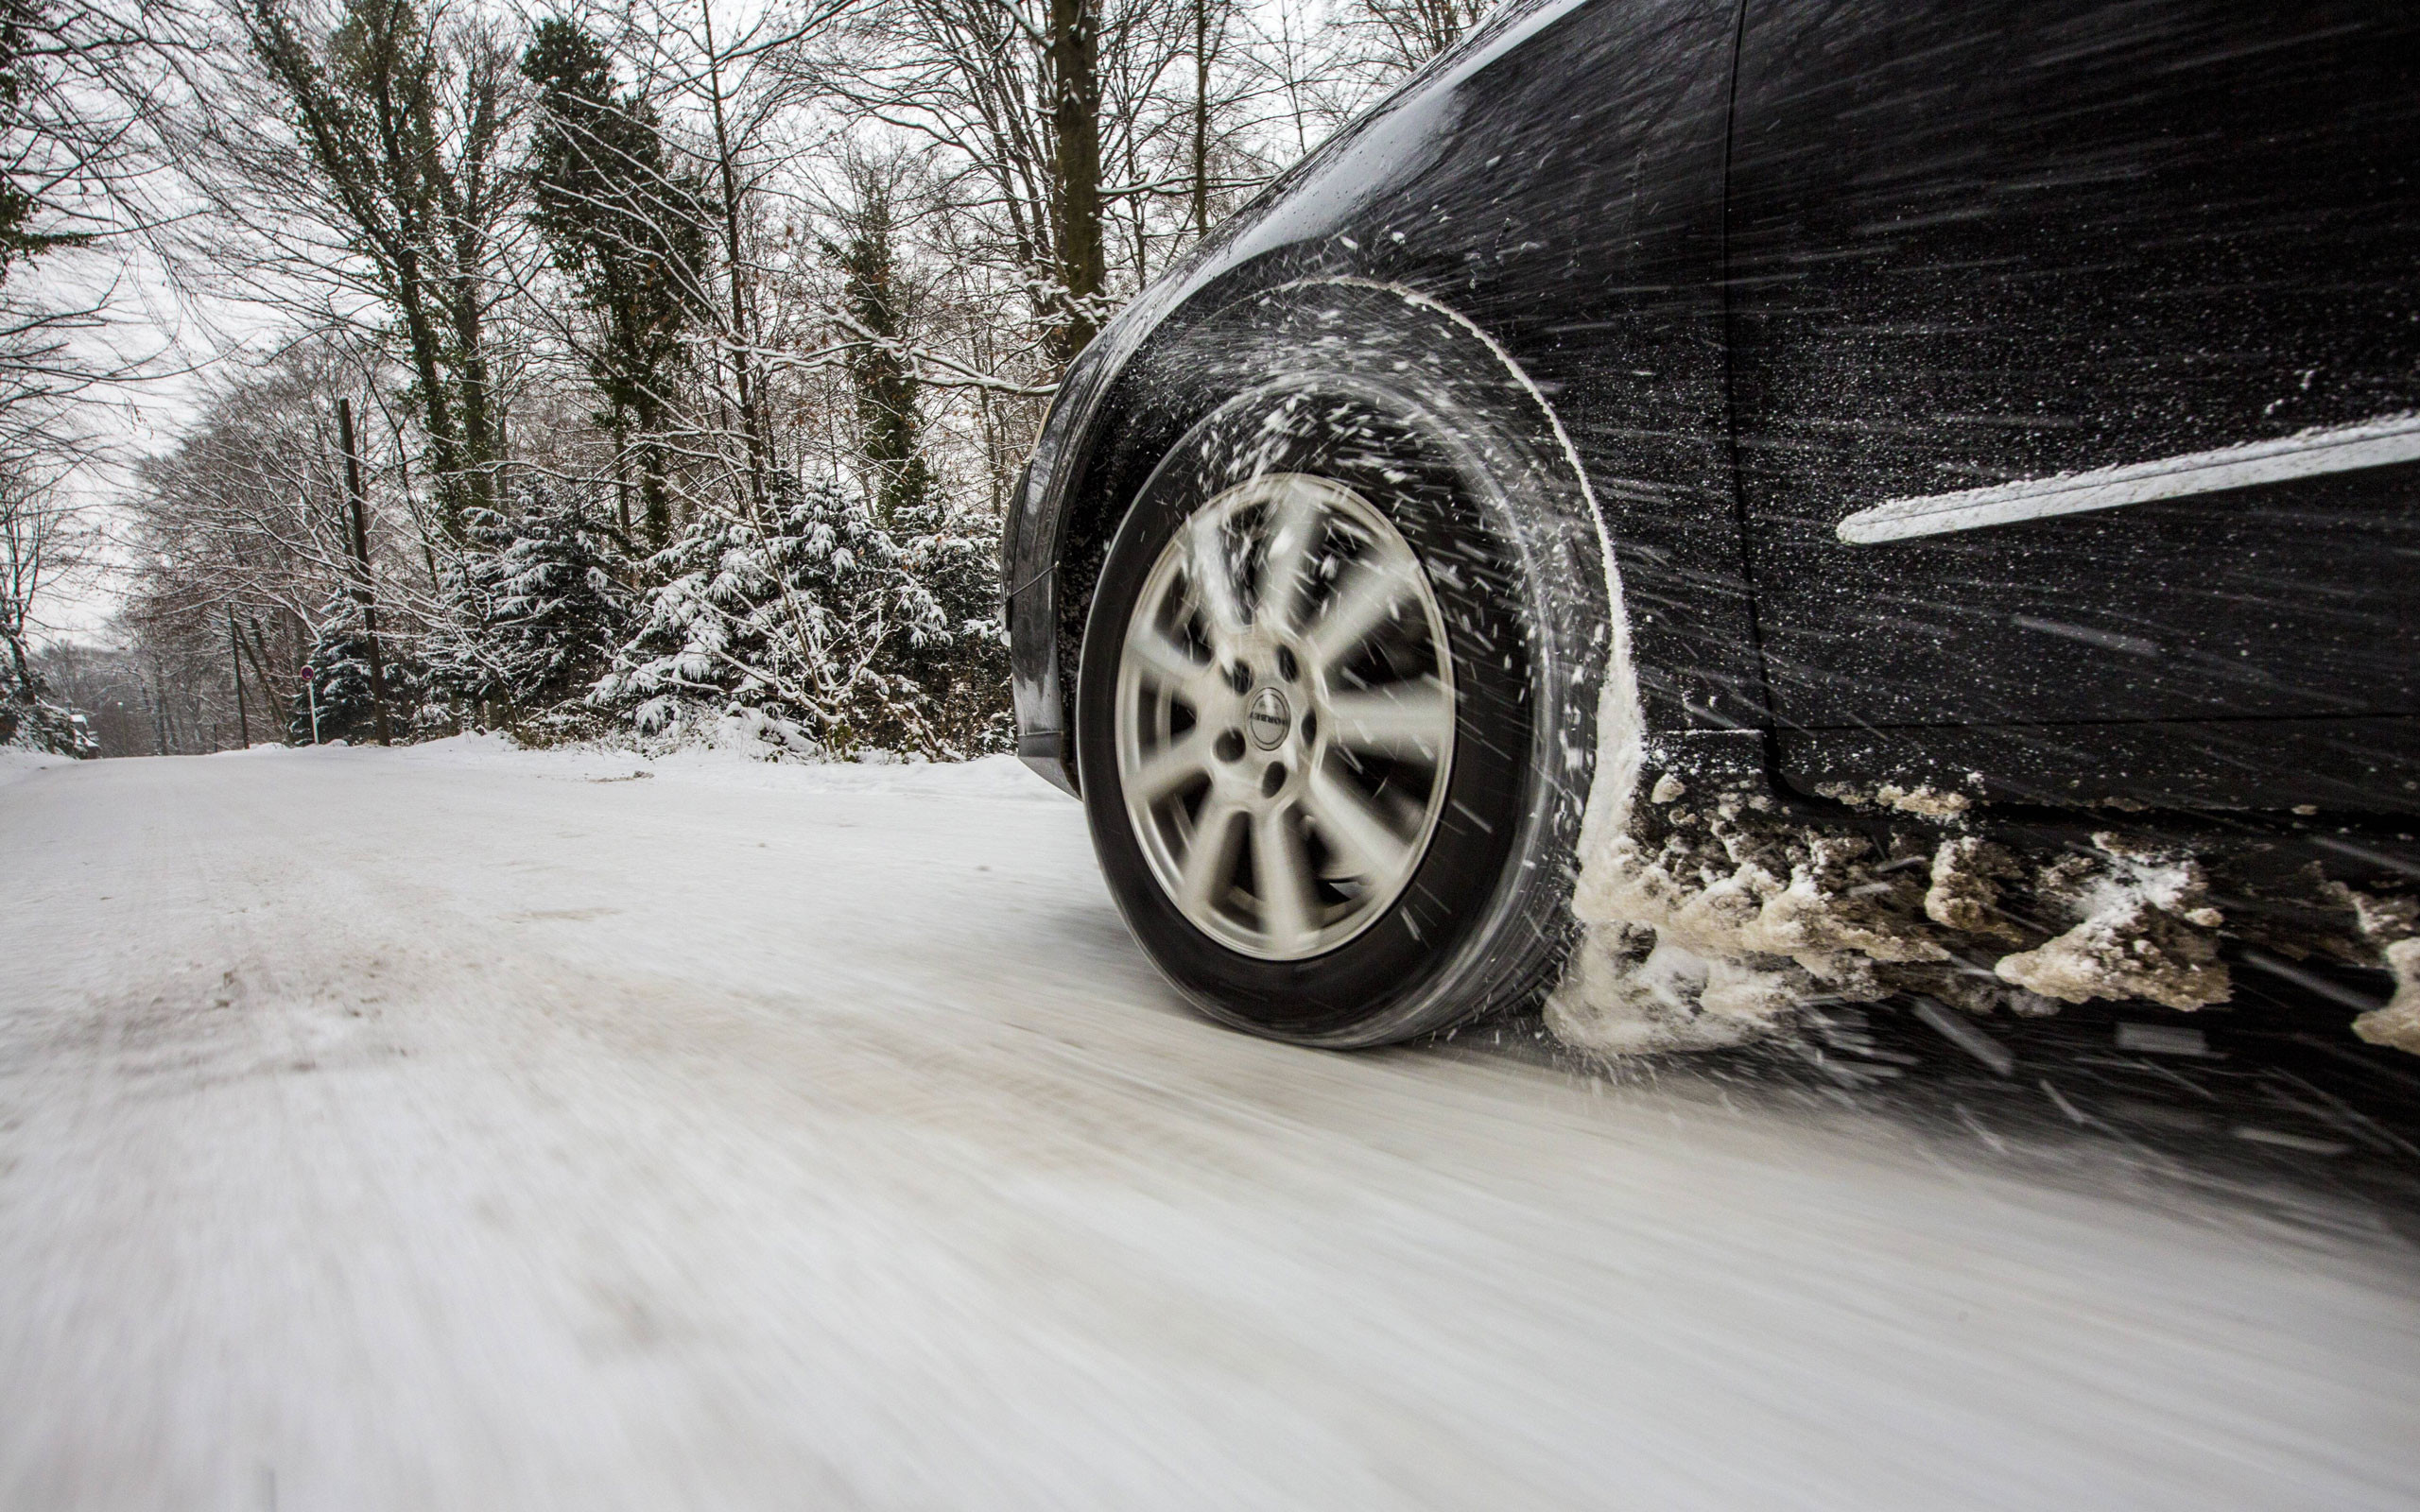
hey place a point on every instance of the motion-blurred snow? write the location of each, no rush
(463, 1127)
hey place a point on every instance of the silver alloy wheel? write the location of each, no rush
(1285, 718)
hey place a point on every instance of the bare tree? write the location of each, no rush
(355, 165)
(1012, 90)
(737, 109)
(248, 516)
(1400, 35)
(80, 82)
(42, 542)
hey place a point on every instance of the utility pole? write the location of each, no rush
(363, 582)
(235, 662)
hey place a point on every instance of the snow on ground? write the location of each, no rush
(16, 762)
(459, 1127)
(739, 765)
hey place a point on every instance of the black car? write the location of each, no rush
(1700, 507)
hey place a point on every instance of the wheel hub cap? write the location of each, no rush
(1269, 718)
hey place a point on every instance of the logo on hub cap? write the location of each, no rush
(1269, 718)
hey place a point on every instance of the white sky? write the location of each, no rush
(180, 343)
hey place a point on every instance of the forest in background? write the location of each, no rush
(642, 368)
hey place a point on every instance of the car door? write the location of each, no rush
(2076, 388)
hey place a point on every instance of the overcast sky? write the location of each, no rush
(177, 341)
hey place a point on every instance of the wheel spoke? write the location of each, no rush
(1213, 574)
(1172, 766)
(1405, 720)
(1282, 876)
(1295, 524)
(1365, 599)
(1151, 650)
(1210, 865)
(1347, 821)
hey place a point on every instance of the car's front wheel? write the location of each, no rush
(1313, 753)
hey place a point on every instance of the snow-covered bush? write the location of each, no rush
(30, 719)
(534, 609)
(804, 617)
(964, 673)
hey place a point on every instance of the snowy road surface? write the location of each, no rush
(455, 1129)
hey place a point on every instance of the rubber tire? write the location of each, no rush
(1481, 923)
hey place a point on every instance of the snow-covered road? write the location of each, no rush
(453, 1129)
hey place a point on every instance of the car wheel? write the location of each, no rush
(1312, 755)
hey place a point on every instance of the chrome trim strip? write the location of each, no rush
(2307, 454)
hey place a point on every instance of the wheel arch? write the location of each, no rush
(1432, 360)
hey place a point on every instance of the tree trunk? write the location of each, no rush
(1201, 118)
(1075, 118)
(620, 433)
(437, 415)
(482, 428)
(743, 329)
(258, 651)
(403, 173)
(655, 502)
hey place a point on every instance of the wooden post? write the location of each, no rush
(236, 664)
(363, 582)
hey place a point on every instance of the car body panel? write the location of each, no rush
(1927, 248)
(1974, 245)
